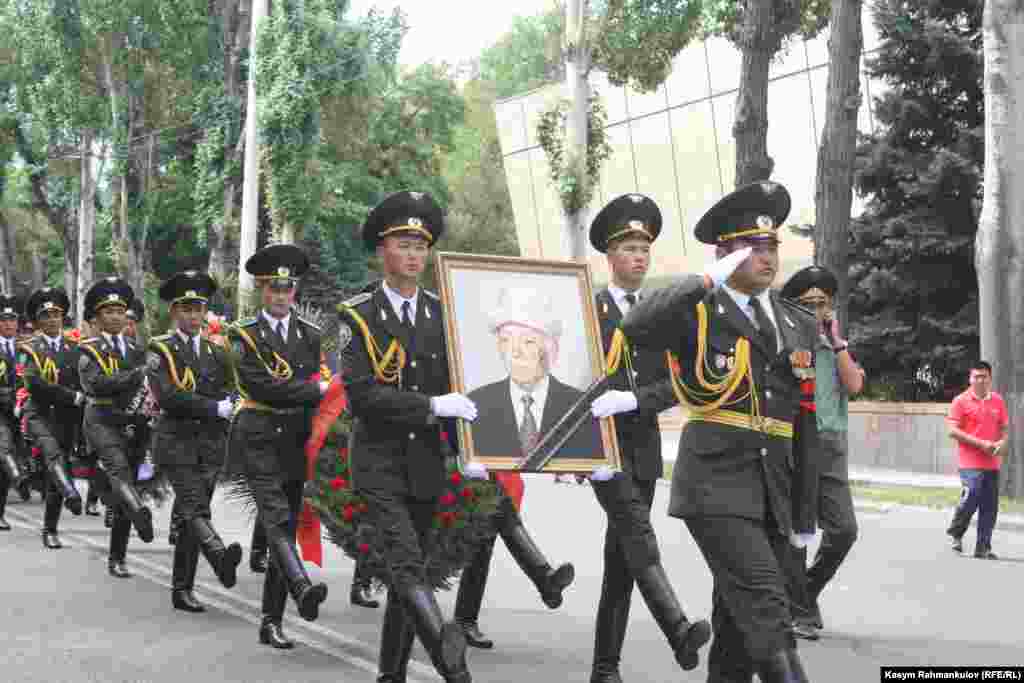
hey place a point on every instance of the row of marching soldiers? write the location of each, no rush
(733, 484)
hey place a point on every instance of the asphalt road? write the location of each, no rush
(903, 598)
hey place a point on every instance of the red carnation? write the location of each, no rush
(338, 483)
(362, 507)
(348, 513)
(19, 369)
(36, 451)
(456, 478)
(444, 436)
(448, 498)
(343, 454)
(468, 494)
(74, 335)
(447, 517)
(364, 548)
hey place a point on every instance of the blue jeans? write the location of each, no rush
(980, 492)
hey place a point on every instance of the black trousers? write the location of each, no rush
(55, 444)
(119, 455)
(193, 489)
(8, 445)
(279, 503)
(750, 613)
(836, 515)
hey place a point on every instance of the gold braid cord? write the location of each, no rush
(387, 365)
(715, 390)
(618, 353)
(280, 371)
(109, 367)
(187, 382)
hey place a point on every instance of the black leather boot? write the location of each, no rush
(223, 560)
(51, 517)
(361, 595)
(132, 504)
(549, 582)
(62, 482)
(444, 641)
(51, 540)
(306, 595)
(782, 667)
(610, 631)
(92, 502)
(121, 529)
(4, 490)
(684, 638)
(258, 555)
(396, 639)
(186, 558)
(472, 584)
(271, 634)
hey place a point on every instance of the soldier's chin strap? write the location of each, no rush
(387, 365)
(716, 390)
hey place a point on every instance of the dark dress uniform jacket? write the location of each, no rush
(104, 423)
(394, 436)
(188, 430)
(724, 470)
(54, 403)
(637, 431)
(274, 442)
(8, 387)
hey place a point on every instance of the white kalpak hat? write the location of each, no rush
(527, 307)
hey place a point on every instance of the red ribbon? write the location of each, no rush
(332, 405)
(512, 482)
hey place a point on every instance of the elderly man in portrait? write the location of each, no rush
(516, 411)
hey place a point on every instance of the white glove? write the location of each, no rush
(145, 472)
(602, 473)
(720, 270)
(801, 540)
(612, 403)
(453, 405)
(224, 408)
(475, 470)
(79, 398)
(323, 387)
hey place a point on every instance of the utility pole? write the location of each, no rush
(251, 184)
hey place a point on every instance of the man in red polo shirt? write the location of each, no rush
(978, 422)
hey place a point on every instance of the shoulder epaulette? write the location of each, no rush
(248, 322)
(432, 295)
(357, 300)
(90, 340)
(160, 338)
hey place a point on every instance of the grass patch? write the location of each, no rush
(930, 497)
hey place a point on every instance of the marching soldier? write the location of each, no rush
(189, 377)
(278, 364)
(10, 471)
(53, 413)
(624, 231)
(112, 371)
(397, 450)
(135, 317)
(741, 354)
(821, 453)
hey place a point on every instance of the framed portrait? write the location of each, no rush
(525, 345)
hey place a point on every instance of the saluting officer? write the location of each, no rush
(624, 231)
(112, 370)
(190, 377)
(53, 412)
(397, 452)
(741, 353)
(278, 363)
(10, 472)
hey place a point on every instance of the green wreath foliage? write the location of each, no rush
(462, 520)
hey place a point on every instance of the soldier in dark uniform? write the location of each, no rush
(112, 370)
(624, 230)
(396, 374)
(278, 363)
(98, 479)
(741, 353)
(820, 451)
(10, 471)
(190, 379)
(53, 412)
(135, 317)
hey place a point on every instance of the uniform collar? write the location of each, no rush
(397, 300)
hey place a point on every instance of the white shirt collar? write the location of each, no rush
(273, 322)
(50, 341)
(194, 340)
(539, 394)
(115, 340)
(397, 300)
(765, 298)
(619, 296)
(11, 341)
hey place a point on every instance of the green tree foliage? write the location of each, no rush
(526, 57)
(913, 301)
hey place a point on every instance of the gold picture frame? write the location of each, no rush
(532, 320)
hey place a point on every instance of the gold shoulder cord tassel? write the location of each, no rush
(109, 366)
(186, 383)
(281, 369)
(387, 365)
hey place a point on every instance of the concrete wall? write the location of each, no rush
(909, 437)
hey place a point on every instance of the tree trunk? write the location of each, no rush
(833, 194)
(86, 228)
(6, 254)
(38, 259)
(251, 173)
(999, 246)
(577, 67)
(758, 45)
